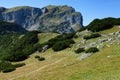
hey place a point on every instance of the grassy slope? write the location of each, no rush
(16, 8)
(43, 37)
(64, 65)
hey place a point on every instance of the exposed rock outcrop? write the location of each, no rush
(62, 19)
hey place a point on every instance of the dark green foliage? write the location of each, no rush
(12, 46)
(61, 37)
(79, 50)
(27, 40)
(22, 48)
(103, 24)
(62, 45)
(6, 66)
(16, 55)
(19, 65)
(37, 56)
(92, 50)
(70, 35)
(95, 35)
(41, 59)
(58, 43)
(9, 69)
(7, 41)
(6, 27)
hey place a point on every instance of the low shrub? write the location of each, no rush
(92, 50)
(37, 56)
(62, 45)
(58, 43)
(19, 65)
(9, 69)
(79, 50)
(6, 66)
(41, 59)
(95, 35)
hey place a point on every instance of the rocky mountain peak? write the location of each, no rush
(61, 19)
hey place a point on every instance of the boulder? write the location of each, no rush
(44, 48)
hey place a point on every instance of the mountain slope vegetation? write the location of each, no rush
(103, 24)
(67, 65)
(98, 59)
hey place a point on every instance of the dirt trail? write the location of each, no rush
(36, 70)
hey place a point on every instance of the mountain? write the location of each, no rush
(61, 19)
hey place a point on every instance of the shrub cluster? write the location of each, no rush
(19, 65)
(7, 27)
(62, 45)
(79, 50)
(22, 48)
(6, 67)
(58, 43)
(39, 58)
(95, 35)
(103, 24)
(92, 50)
(62, 37)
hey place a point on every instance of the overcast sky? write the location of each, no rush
(90, 9)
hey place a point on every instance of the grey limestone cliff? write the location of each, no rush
(61, 19)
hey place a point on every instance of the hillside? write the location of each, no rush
(7, 27)
(9, 33)
(61, 19)
(67, 65)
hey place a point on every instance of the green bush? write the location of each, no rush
(6, 66)
(9, 69)
(58, 43)
(79, 50)
(41, 59)
(103, 24)
(19, 65)
(37, 56)
(16, 55)
(22, 48)
(95, 35)
(59, 38)
(62, 45)
(92, 50)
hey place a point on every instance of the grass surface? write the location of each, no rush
(64, 65)
(43, 37)
(17, 8)
(114, 29)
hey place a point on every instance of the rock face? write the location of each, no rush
(62, 19)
